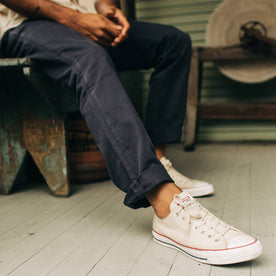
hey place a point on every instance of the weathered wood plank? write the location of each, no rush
(76, 236)
(192, 100)
(82, 259)
(154, 261)
(40, 210)
(236, 111)
(123, 254)
(19, 254)
(56, 250)
(14, 63)
(29, 125)
(263, 205)
(235, 53)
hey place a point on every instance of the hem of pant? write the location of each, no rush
(136, 196)
(165, 135)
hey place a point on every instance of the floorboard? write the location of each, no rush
(93, 233)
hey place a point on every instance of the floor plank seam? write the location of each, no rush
(92, 232)
(113, 244)
(48, 223)
(38, 251)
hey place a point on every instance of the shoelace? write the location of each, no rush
(195, 215)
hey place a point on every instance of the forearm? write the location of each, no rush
(104, 29)
(101, 5)
(45, 9)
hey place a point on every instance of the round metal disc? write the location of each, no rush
(223, 29)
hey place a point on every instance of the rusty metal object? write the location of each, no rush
(253, 36)
(29, 129)
(248, 24)
(45, 140)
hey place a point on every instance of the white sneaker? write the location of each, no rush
(194, 187)
(196, 232)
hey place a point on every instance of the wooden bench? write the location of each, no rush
(218, 111)
(34, 112)
(33, 127)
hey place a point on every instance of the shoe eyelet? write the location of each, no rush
(209, 236)
(202, 232)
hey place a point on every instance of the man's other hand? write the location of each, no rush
(117, 16)
(100, 29)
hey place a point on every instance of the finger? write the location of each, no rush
(122, 36)
(122, 20)
(124, 32)
(110, 14)
(105, 36)
(99, 41)
(113, 29)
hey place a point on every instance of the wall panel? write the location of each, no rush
(192, 16)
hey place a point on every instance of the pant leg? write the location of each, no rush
(86, 69)
(168, 51)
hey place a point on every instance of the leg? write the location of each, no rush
(168, 51)
(130, 155)
(85, 68)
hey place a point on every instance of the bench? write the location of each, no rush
(34, 111)
(33, 127)
(197, 110)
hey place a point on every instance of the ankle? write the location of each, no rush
(160, 150)
(161, 197)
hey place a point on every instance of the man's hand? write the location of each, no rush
(110, 9)
(98, 28)
(117, 16)
(109, 27)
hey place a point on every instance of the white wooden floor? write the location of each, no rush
(92, 233)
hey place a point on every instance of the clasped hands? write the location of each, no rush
(108, 29)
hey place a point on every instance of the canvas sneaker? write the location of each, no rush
(194, 231)
(194, 187)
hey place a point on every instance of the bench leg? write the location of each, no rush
(12, 158)
(45, 141)
(192, 101)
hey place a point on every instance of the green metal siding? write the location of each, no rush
(192, 16)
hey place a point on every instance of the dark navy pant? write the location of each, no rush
(89, 71)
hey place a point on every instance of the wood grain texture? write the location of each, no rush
(30, 130)
(92, 233)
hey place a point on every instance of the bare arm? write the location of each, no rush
(96, 27)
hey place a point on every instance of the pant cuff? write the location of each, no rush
(136, 196)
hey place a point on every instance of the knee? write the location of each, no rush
(91, 55)
(90, 61)
(180, 39)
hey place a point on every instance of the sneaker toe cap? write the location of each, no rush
(240, 240)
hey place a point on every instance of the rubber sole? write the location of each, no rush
(216, 257)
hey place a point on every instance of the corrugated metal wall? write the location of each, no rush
(192, 16)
